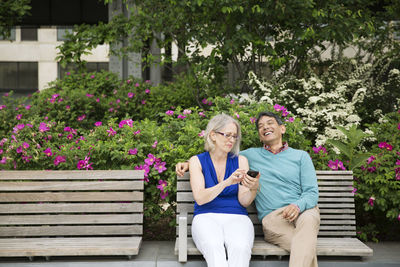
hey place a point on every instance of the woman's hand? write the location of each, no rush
(181, 168)
(237, 176)
(250, 182)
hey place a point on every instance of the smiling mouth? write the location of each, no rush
(268, 133)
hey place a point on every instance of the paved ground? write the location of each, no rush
(161, 254)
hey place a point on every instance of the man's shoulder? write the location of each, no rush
(250, 151)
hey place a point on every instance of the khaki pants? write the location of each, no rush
(298, 237)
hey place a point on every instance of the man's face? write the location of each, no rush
(270, 131)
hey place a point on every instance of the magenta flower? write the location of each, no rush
(150, 159)
(28, 107)
(91, 76)
(187, 111)
(59, 159)
(48, 152)
(371, 201)
(20, 126)
(43, 127)
(67, 129)
(137, 84)
(154, 144)
(161, 186)
(128, 81)
(3, 160)
(181, 116)
(278, 107)
(398, 162)
(1, 151)
(252, 120)
(19, 116)
(398, 217)
(354, 190)
(160, 167)
(237, 115)
(89, 95)
(84, 164)
(128, 122)
(232, 101)
(319, 149)
(19, 149)
(137, 132)
(132, 151)
(336, 165)
(147, 91)
(70, 136)
(98, 123)
(130, 94)
(29, 125)
(97, 100)
(146, 170)
(291, 119)
(68, 107)
(111, 132)
(204, 101)
(2, 107)
(81, 118)
(201, 114)
(143, 101)
(169, 112)
(25, 145)
(201, 134)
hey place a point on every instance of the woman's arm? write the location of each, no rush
(248, 188)
(204, 195)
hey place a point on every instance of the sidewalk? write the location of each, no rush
(161, 254)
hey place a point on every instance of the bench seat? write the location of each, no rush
(337, 235)
(71, 213)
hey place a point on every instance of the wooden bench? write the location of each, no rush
(70, 213)
(337, 235)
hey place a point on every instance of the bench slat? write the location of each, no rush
(71, 197)
(79, 230)
(71, 186)
(73, 175)
(71, 219)
(27, 247)
(71, 207)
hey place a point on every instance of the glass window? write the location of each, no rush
(29, 33)
(12, 36)
(90, 66)
(19, 76)
(61, 31)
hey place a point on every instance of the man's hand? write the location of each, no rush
(291, 212)
(181, 168)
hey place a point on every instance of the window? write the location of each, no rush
(29, 33)
(11, 38)
(90, 66)
(19, 76)
(61, 31)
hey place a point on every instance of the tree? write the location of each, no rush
(11, 13)
(283, 35)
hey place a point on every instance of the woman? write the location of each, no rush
(220, 217)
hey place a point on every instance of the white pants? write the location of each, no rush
(213, 232)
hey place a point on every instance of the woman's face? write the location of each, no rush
(226, 138)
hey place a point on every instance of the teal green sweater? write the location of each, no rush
(287, 177)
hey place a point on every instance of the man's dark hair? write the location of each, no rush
(268, 114)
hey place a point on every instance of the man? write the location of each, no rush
(287, 199)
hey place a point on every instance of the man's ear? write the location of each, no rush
(283, 129)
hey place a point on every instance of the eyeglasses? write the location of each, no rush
(228, 136)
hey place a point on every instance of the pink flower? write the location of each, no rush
(353, 190)
(84, 164)
(81, 118)
(98, 123)
(154, 144)
(91, 76)
(137, 132)
(111, 132)
(181, 116)
(145, 168)
(70, 136)
(204, 101)
(318, 149)
(237, 115)
(19, 116)
(291, 119)
(19, 149)
(68, 107)
(128, 122)
(398, 126)
(398, 162)
(398, 217)
(169, 112)
(128, 81)
(150, 159)
(162, 184)
(3, 160)
(89, 95)
(2, 107)
(25, 145)
(67, 129)
(43, 127)
(160, 167)
(132, 151)
(147, 91)
(371, 201)
(187, 111)
(59, 159)
(137, 84)
(232, 101)
(28, 107)
(201, 114)
(336, 165)
(201, 134)
(130, 94)
(97, 100)
(48, 152)
(252, 120)
(143, 102)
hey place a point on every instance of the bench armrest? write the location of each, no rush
(182, 241)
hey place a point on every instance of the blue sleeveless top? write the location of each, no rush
(227, 201)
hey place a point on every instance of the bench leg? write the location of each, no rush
(182, 245)
(47, 258)
(129, 257)
(30, 258)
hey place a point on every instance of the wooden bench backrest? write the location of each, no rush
(71, 203)
(336, 204)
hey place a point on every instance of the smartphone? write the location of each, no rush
(252, 173)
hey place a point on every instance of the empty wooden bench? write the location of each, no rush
(337, 235)
(70, 213)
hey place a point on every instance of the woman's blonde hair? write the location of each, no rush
(216, 124)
